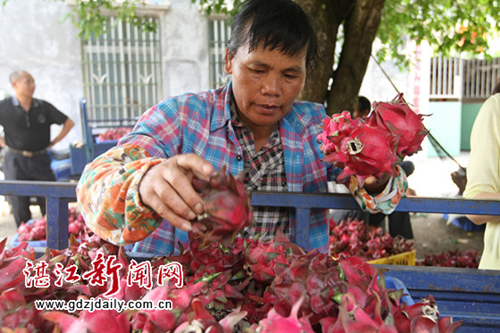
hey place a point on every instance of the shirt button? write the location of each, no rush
(239, 158)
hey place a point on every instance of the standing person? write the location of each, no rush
(483, 176)
(143, 187)
(26, 122)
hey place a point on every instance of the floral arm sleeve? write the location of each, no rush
(384, 202)
(108, 195)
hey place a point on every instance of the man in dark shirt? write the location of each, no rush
(26, 122)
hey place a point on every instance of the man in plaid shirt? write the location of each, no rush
(140, 192)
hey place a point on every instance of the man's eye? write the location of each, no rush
(257, 71)
(288, 76)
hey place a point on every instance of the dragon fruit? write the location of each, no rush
(336, 128)
(366, 151)
(278, 323)
(227, 208)
(398, 119)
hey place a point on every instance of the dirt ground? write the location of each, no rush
(433, 236)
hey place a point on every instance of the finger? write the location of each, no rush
(168, 214)
(195, 164)
(187, 201)
(177, 199)
(155, 186)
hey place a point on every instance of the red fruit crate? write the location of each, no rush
(405, 258)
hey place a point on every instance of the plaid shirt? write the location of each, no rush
(201, 123)
(264, 171)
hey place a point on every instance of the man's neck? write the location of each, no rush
(25, 102)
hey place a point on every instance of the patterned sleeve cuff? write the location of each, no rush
(109, 198)
(384, 202)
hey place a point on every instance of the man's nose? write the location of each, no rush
(271, 85)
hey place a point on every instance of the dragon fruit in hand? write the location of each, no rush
(335, 129)
(227, 208)
(397, 118)
(366, 151)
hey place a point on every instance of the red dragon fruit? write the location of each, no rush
(227, 208)
(278, 323)
(397, 118)
(365, 151)
(334, 129)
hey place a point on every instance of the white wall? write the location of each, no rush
(184, 35)
(33, 39)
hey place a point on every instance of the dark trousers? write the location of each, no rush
(18, 167)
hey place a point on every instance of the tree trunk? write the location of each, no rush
(360, 30)
(326, 16)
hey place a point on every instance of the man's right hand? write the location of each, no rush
(168, 190)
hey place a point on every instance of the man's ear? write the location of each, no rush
(228, 62)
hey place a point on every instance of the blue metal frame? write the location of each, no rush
(303, 202)
(470, 295)
(58, 195)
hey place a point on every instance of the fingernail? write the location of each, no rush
(199, 208)
(191, 216)
(187, 226)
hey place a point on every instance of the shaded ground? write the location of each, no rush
(433, 236)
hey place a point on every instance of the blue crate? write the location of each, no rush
(78, 159)
(62, 169)
(103, 146)
(15, 240)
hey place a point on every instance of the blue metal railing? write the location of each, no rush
(470, 295)
(60, 193)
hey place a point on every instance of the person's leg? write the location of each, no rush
(42, 171)
(14, 169)
(376, 220)
(339, 215)
(400, 224)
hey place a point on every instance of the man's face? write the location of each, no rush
(265, 84)
(24, 86)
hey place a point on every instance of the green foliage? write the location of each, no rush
(90, 16)
(450, 26)
(223, 7)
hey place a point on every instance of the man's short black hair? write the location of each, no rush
(278, 24)
(364, 104)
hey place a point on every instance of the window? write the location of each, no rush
(219, 33)
(121, 73)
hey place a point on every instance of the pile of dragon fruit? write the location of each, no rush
(374, 145)
(37, 229)
(355, 238)
(452, 258)
(221, 283)
(252, 285)
(114, 134)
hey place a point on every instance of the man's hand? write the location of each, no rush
(376, 185)
(168, 190)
